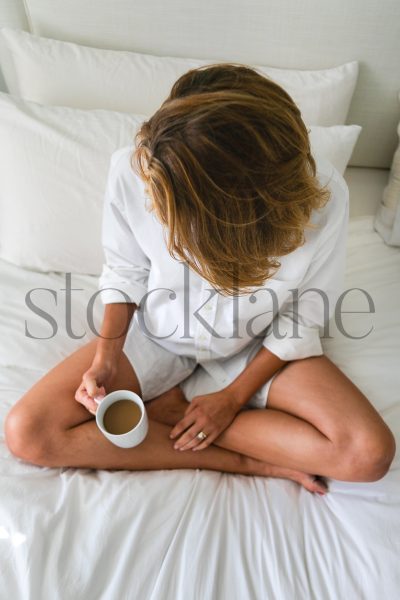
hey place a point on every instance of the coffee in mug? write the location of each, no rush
(122, 418)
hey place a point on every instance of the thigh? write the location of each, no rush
(317, 391)
(51, 400)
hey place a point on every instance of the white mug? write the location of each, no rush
(131, 438)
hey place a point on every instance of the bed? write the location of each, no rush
(83, 533)
(197, 534)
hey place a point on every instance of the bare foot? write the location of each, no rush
(169, 408)
(312, 483)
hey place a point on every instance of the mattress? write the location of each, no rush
(191, 533)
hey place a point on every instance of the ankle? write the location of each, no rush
(252, 466)
(168, 408)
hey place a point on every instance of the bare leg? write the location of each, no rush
(316, 421)
(47, 426)
(170, 407)
(309, 425)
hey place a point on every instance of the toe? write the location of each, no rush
(319, 485)
(314, 484)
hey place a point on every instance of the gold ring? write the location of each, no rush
(201, 435)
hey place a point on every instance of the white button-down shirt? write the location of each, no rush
(182, 312)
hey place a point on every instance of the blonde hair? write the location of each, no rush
(227, 163)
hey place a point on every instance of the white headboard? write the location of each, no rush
(304, 34)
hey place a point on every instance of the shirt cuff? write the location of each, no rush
(115, 286)
(292, 341)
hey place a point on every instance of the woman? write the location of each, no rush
(224, 243)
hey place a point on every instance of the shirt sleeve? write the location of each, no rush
(295, 330)
(125, 272)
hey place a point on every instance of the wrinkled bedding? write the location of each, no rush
(197, 534)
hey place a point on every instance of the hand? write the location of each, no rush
(211, 413)
(94, 380)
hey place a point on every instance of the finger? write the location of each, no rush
(189, 437)
(88, 402)
(183, 424)
(78, 393)
(189, 409)
(202, 444)
(193, 443)
(82, 397)
(90, 384)
(208, 441)
(205, 443)
(100, 395)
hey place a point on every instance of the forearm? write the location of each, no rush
(116, 320)
(258, 371)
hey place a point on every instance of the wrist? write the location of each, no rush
(105, 356)
(237, 395)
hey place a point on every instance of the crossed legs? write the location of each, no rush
(317, 421)
(48, 427)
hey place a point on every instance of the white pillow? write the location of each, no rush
(335, 143)
(387, 218)
(55, 163)
(63, 73)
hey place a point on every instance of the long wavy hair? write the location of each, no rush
(227, 165)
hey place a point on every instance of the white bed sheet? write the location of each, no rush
(198, 534)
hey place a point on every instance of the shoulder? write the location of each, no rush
(328, 175)
(120, 164)
(126, 185)
(335, 212)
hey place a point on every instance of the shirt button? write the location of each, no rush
(208, 307)
(202, 337)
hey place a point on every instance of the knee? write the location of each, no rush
(24, 436)
(370, 455)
